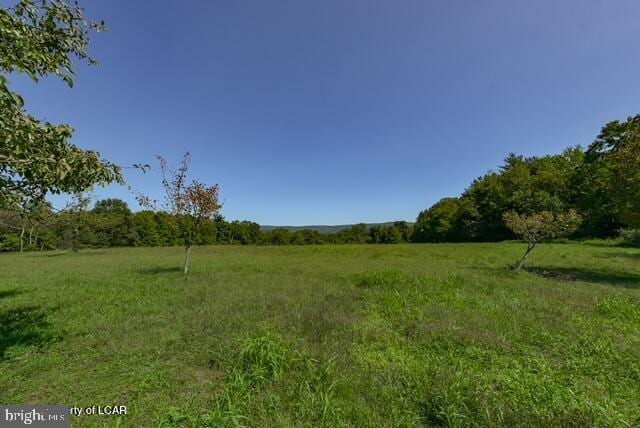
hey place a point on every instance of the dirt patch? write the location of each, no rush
(205, 374)
(562, 276)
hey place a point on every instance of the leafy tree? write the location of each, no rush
(541, 226)
(191, 204)
(111, 206)
(377, 234)
(40, 38)
(278, 236)
(112, 223)
(614, 161)
(525, 185)
(312, 237)
(596, 183)
(613, 136)
(146, 229)
(405, 231)
(357, 234)
(297, 238)
(625, 179)
(11, 231)
(74, 223)
(443, 222)
(244, 233)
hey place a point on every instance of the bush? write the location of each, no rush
(630, 237)
(9, 242)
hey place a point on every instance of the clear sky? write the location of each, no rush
(341, 111)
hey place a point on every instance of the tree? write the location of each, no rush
(112, 223)
(625, 179)
(146, 229)
(244, 232)
(278, 236)
(404, 229)
(443, 222)
(111, 206)
(192, 204)
(541, 226)
(73, 222)
(356, 234)
(40, 38)
(613, 136)
(602, 192)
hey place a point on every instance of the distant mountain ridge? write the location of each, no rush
(326, 228)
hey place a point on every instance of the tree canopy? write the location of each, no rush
(41, 38)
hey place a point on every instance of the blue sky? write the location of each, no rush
(341, 111)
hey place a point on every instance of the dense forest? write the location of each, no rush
(601, 183)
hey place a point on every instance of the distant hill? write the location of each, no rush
(325, 228)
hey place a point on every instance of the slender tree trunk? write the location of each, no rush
(523, 260)
(22, 239)
(187, 258)
(75, 244)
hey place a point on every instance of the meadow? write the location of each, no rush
(348, 335)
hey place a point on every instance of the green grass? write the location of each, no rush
(404, 335)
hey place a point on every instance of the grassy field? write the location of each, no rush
(403, 335)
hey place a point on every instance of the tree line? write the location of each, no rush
(111, 223)
(602, 183)
(597, 187)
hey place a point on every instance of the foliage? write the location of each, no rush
(541, 226)
(601, 183)
(73, 222)
(40, 38)
(445, 221)
(630, 237)
(625, 179)
(29, 228)
(599, 195)
(525, 185)
(191, 204)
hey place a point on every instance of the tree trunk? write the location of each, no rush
(187, 258)
(22, 239)
(523, 260)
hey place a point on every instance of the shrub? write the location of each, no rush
(629, 237)
(9, 242)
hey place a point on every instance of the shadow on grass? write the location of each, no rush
(9, 293)
(59, 253)
(628, 280)
(160, 270)
(49, 254)
(24, 326)
(616, 254)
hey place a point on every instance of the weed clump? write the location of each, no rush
(618, 307)
(269, 380)
(383, 279)
(264, 358)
